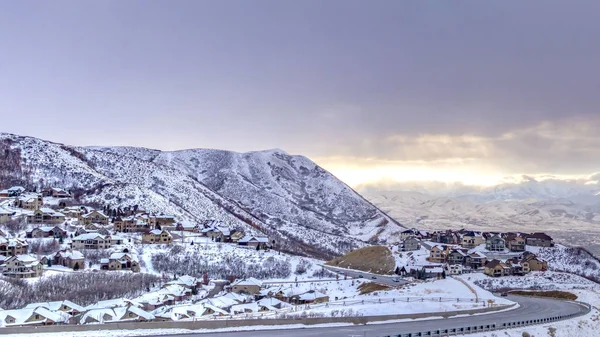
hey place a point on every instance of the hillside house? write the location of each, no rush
(471, 240)
(91, 241)
(535, 264)
(57, 193)
(411, 243)
(130, 224)
(475, 260)
(94, 217)
(33, 317)
(496, 268)
(69, 258)
(254, 241)
(45, 216)
(62, 306)
(516, 243)
(495, 243)
(159, 221)
(447, 237)
(113, 315)
(539, 240)
(157, 236)
(6, 215)
(12, 247)
(30, 201)
(518, 267)
(457, 257)
(455, 269)
(185, 226)
(247, 286)
(12, 192)
(309, 297)
(22, 266)
(120, 261)
(47, 232)
(438, 254)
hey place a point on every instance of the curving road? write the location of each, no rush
(383, 279)
(530, 309)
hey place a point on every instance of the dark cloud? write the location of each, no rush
(391, 80)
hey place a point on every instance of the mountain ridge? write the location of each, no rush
(299, 204)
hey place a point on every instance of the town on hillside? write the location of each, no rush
(454, 252)
(236, 273)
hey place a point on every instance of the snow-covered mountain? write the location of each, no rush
(302, 207)
(569, 210)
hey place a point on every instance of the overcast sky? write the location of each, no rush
(461, 90)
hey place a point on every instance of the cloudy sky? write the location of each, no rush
(408, 90)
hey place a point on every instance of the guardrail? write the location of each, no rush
(492, 327)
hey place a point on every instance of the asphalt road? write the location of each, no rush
(530, 309)
(387, 280)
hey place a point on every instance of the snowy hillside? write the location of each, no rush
(297, 203)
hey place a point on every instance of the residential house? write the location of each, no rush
(475, 260)
(518, 266)
(47, 232)
(38, 316)
(45, 215)
(455, 269)
(248, 286)
(457, 257)
(58, 193)
(94, 217)
(516, 243)
(309, 297)
(130, 224)
(63, 306)
(496, 268)
(439, 254)
(30, 201)
(12, 247)
(540, 240)
(6, 215)
(159, 221)
(185, 226)
(157, 236)
(120, 261)
(409, 244)
(254, 241)
(495, 243)
(535, 264)
(422, 272)
(91, 241)
(408, 233)
(472, 240)
(236, 236)
(447, 237)
(118, 314)
(69, 258)
(12, 192)
(22, 266)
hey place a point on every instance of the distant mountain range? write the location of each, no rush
(568, 209)
(301, 206)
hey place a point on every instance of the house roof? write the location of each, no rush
(493, 264)
(251, 281)
(73, 254)
(89, 236)
(541, 236)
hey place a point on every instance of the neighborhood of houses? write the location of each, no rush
(86, 228)
(79, 229)
(170, 302)
(462, 251)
